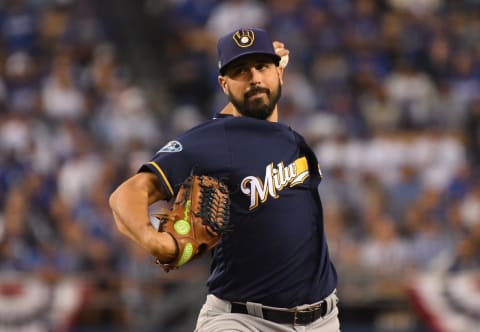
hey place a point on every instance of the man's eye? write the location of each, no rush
(261, 66)
(239, 71)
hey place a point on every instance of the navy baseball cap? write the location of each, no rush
(243, 42)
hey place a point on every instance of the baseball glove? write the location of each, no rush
(197, 219)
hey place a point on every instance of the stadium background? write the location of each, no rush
(386, 91)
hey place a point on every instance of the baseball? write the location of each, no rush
(284, 61)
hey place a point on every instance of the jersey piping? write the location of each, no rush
(164, 178)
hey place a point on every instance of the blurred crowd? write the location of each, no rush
(387, 92)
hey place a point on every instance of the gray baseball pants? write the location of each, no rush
(215, 316)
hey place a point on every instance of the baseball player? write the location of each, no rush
(272, 272)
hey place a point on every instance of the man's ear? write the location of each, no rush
(280, 71)
(223, 84)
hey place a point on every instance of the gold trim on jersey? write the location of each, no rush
(164, 177)
(301, 167)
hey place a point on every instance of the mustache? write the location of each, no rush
(255, 90)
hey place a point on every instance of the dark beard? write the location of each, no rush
(257, 108)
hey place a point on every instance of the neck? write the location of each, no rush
(231, 110)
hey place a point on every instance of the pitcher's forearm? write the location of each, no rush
(129, 204)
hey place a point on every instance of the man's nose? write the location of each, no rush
(254, 75)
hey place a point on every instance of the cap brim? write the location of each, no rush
(224, 67)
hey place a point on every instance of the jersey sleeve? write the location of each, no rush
(199, 151)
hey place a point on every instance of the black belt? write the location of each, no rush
(287, 316)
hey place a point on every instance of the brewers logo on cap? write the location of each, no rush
(245, 41)
(244, 38)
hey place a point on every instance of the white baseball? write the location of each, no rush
(283, 61)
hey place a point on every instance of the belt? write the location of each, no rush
(287, 316)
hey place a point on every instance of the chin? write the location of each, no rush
(261, 114)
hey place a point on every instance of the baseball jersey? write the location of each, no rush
(277, 253)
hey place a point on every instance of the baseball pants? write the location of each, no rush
(216, 316)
